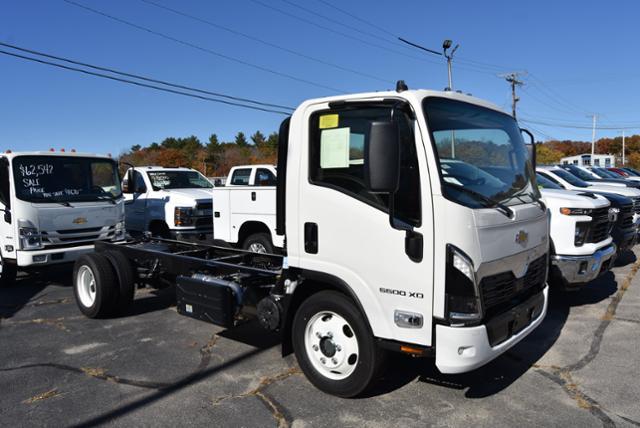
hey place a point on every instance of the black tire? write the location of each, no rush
(127, 276)
(259, 239)
(370, 358)
(8, 273)
(105, 285)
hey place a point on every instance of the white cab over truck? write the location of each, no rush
(55, 205)
(412, 223)
(168, 202)
(581, 244)
(245, 209)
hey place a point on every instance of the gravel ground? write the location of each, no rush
(154, 367)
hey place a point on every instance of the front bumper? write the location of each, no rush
(51, 256)
(193, 235)
(582, 269)
(624, 238)
(462, 349)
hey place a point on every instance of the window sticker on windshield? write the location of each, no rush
(160, 180)
(334, 148)
(328, 121)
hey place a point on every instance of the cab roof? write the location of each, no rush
(412, 95)
(12, 154)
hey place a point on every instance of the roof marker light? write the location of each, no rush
(52, 149)
(62, 150)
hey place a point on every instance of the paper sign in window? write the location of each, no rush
(328, 121)
(334, 148)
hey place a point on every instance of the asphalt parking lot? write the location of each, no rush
(154, 367)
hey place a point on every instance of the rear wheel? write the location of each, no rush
(95, 285)
(258, 243)
(8, 272)
(334, 346)
(127, 277)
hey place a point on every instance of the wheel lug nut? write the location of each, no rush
(329, 335)
(323, 360)
(338, 348)
(318, 335)
(334, 361)
(315, 348)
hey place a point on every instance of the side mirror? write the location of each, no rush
(127, 183)
(531, 146)
(382, 158)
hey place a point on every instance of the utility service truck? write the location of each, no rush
(55, 205)
(412, 223)
(168, 202)
(245, 209)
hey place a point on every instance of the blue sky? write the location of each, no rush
(580, 58)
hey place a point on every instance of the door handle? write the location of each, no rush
(311, 238)
(253, 196)
(413, 245)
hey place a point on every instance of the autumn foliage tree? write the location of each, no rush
(214, 158)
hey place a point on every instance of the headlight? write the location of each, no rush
(580, 233)
(119, 231)
(461, 288)
(30, 238)
(183, 216)
(576, 211)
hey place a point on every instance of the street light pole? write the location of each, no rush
(593, 137)
(623, 160)
(449, 56)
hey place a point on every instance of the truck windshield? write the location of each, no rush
(482, 156)
(580, 173)
(165, 180)
(65, 179)
(570, 178)
(545, 183)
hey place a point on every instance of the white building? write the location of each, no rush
(605, 161)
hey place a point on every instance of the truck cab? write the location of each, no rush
(54, 206)
(245, 209)
(168, 202)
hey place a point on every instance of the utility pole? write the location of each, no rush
(512, 79)
(593, 136)
(623, 147)
(449, 56)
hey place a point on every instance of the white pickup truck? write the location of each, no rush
(168, 202)
(580, 229)
(245, 209)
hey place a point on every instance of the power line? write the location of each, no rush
(356, 17)
(145, 85)
(201, 48)
(137, 76)
(343, 34)
(562, 125)
(264, 42)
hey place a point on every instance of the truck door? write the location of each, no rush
(6, 217)
(135, 203)
(345, 231)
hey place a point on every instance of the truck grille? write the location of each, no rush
(71, 237)
(636, 205)
(599, 227)
(502, 291)
(625, 217)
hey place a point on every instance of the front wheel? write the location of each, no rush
(8, 272)
(258, 243)
(334, 346)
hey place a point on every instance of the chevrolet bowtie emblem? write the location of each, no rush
(79, 220)
(522, 237)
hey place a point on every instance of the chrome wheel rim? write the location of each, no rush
(257, 247)
(86, 286)
(331, 345)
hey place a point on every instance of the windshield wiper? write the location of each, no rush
(489, 203)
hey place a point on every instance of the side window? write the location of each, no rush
(337, 140)
(5, 197)
(240, 177)
(264, 177)
(140, 186)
